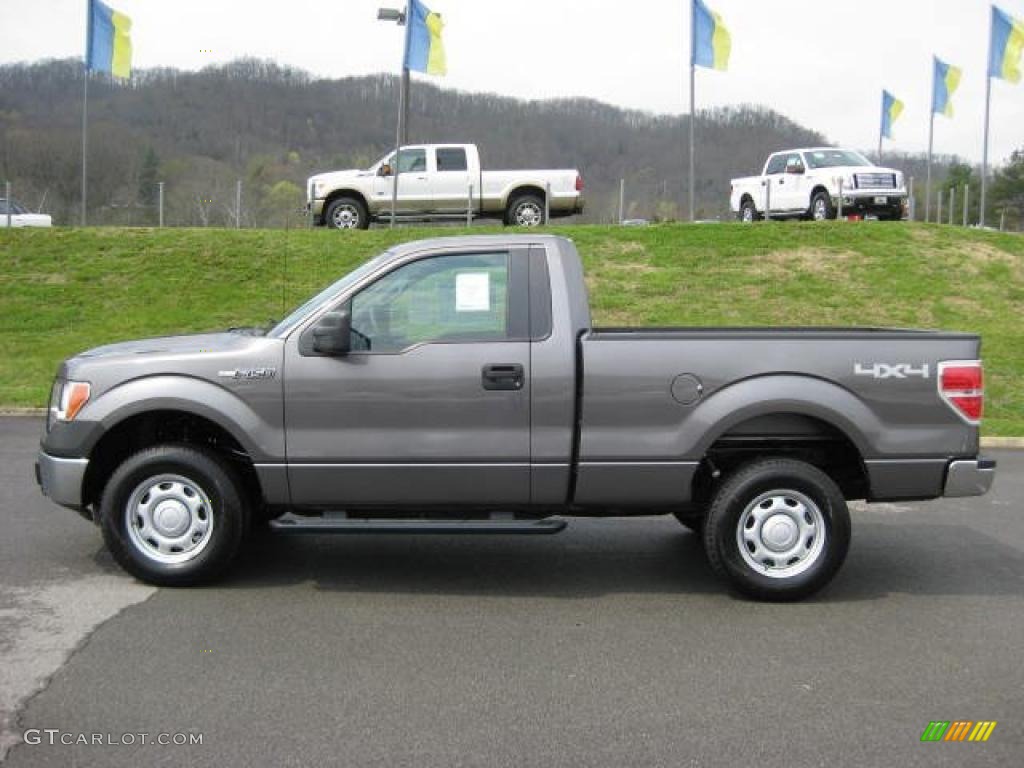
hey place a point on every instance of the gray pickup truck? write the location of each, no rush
(458, 386)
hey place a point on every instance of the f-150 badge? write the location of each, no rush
(891, 371)
(248, 373)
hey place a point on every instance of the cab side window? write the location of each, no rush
(439, 299)
(451, 159)
(794, 164)
(776, 165)
(412, 161)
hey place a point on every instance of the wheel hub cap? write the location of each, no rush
(169, 518)
(781, 533)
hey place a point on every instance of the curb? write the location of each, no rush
(986, 442)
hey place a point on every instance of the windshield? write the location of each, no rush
(15, 208)
(297, 315)
(832, 158)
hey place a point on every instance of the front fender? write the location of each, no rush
(256, 422)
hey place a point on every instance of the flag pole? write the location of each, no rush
(693, 80)
(881, 129)
(401, 128)
(928, 179)
(85, 123)
(984, 145)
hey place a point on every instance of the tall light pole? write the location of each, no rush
(402, 130)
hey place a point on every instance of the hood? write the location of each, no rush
(335, 177)
(195, 344)
(28, 220)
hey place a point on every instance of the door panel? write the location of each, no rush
(450, 185)
(411, 415)
(414, 189)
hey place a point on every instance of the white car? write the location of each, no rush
(441, 181)
(20, 217)
(811, 183)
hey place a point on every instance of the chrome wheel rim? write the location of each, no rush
(345, 216)
(529, 214)
(781, 534)
(820, 211)
(169, 519)
(748, 214)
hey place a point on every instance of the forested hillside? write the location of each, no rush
(271, 127)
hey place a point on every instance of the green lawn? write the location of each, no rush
(65, 290)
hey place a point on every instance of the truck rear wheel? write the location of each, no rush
(748, 212)
(347, 213)
(778, 529)
(525, 211)
(173, 515)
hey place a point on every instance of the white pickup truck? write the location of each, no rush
(811, 183)
(20, 216)
(438, 181)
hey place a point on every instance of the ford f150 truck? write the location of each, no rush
(812, 183)
(458, 385)
(438, 181)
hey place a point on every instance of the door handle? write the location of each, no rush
(502, 376)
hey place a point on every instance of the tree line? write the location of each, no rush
(271, 126)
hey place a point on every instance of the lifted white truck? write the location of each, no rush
(811, 183)
(441, 181)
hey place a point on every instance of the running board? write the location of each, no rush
(292, 524)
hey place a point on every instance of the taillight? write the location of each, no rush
(961, 384)
(579, 182)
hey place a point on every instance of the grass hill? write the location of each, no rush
(64, 290)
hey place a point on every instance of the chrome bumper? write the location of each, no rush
(61, 479)
(971, 477)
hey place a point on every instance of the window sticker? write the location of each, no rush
(473, 292)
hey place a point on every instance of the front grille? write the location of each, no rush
(875, 180)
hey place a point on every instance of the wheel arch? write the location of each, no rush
(783, 415)
(523, 189)
(344, 192)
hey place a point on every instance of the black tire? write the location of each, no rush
(225, 512)
(347, 213)
(823, 200)
(691, 521)
(525, 211)
(748, 212)
(777, 482)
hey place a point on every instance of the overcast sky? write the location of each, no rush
(822, 64)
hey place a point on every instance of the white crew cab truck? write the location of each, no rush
(811, 183)
(438, 181)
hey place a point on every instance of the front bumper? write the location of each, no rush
(61, 479)
(879, 201)
(969, 477)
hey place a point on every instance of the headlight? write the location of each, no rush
(67, 398)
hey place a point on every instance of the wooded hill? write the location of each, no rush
(272, 126)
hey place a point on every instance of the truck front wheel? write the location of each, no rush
(173, 515)
(525, 211)
(778, 529)
(347, 213)
(748, 212)
(821, 207)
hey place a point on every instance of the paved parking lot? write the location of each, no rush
(609, 644)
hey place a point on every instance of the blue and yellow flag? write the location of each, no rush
(424, 49)
(108, 46)
(1006, 46)
(945, 80)
(892, 108)
(711, 44)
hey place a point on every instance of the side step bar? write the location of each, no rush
(292, 524)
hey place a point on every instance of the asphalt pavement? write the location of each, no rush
(610, 644)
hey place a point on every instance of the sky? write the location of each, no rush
(822, 64)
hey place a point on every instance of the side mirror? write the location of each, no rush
(332, 334)
(797, 169)
(385, 170)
